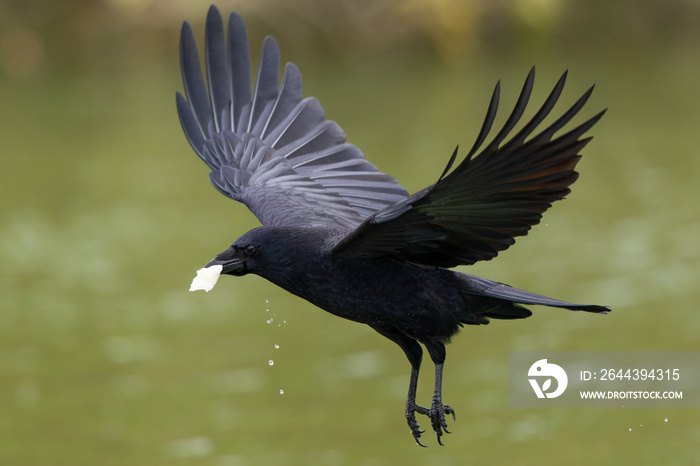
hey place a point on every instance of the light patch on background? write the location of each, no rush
(21, 52)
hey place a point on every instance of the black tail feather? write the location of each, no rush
(489, 299)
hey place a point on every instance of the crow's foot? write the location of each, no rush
(436, 413)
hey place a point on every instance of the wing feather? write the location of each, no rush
(290, 94)
(218, 73)
(198, 108)
(479, 208)
(270, 148)
(239, 69)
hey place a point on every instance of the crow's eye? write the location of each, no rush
(250, 250)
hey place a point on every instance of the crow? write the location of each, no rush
(348, 238)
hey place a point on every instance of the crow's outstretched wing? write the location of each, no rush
(271, 149)
(478, 209)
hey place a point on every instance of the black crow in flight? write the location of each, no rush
(345, 236)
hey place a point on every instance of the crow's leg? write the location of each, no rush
(412, 408)
(437, 410)
(414, 353)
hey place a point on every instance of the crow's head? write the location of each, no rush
(247, 254)
(271, 252)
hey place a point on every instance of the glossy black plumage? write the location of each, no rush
(346, 237)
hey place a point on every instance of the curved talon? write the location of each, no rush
(449, 410)
(417, 433)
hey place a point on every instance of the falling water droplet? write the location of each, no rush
(271, 362)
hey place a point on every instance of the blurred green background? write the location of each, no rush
(106, 213)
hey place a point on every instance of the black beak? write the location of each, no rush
(232, 265)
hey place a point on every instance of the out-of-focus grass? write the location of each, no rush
(106, 213)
